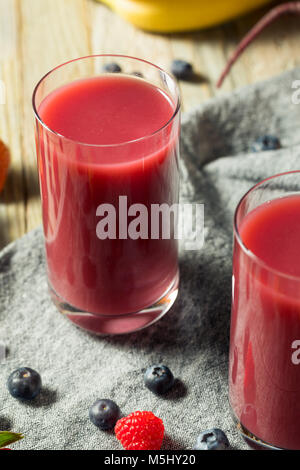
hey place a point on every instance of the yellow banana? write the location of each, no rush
(168, 16)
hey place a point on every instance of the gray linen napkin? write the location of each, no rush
(192, 339)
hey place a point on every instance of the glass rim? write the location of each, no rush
(238, 237)
(128, 142)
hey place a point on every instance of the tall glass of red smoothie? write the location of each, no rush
(264, 370)
(107, 136)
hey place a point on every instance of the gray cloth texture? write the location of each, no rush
(192, 339)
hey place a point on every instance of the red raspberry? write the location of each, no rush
(141, 430)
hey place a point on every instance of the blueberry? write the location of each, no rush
(112, 67)
(212, 439)
(24, 383)
(266, 142)
(138, 74)
(182, 69)
(159, 379)
(104, 414)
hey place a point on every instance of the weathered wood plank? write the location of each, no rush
(53, 31)
(12, 208)
(112, 34)
(273, 52)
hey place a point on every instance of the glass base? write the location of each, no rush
(118, 324)
(253, 441)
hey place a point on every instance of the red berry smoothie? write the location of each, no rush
(97, 152)
(264, 379)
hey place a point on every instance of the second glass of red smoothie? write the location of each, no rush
(264, 370)
(107, 145)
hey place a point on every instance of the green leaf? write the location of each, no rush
(7, 438)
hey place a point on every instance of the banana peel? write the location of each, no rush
(167, 16)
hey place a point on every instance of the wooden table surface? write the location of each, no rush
(36, 35)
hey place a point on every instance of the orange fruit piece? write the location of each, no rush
(4, 163)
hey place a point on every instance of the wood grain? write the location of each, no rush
(37, 35)
(12, 208)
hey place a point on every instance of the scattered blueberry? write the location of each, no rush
(24, 383)
(159, 379)
(138, 74)
(112, 67)
(212, 439)
(104, 414)
(266, 142)
(182, 69)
